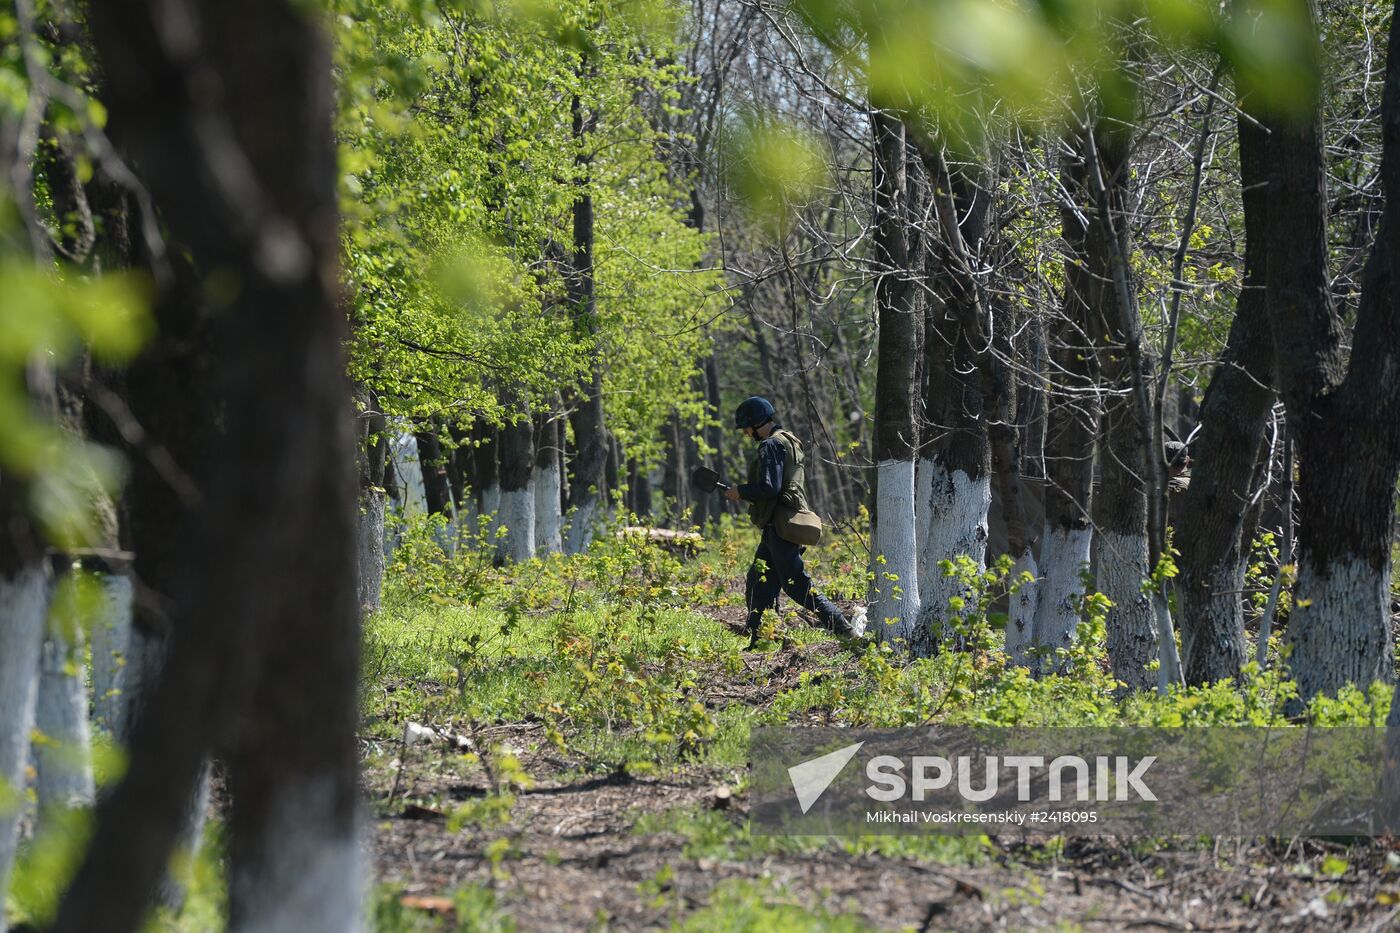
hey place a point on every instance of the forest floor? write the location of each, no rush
(533, 805)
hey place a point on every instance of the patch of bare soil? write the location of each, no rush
(568, 857)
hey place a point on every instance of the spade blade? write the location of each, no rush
(706, 480)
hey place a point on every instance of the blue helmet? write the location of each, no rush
(753, 412)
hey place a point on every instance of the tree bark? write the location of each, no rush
(714, 433)
(24, 600)
(549, 516)
(487, 464)
(266, 661)
(1345, 421)
(1211, 531)
(517, 491)
(1121, 508)
(462, 479)
(372, 450)
(675, 478)
(894, 597)
(432, 463)
(63, 757)
(1072, 425)
(590, 432)
(111, 635)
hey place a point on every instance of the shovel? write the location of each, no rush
(706, 480)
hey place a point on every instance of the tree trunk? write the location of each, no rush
(1346, 426)
(675, 480)
(979, 407)
(267, 659)
(517, 491)
(111, 637)
(488, 476)
(63, 757)
(24, 600)
(1121, 508)
(1004, 437)
(1211, 531)
(590, 433)
(1072, 424)
(639, 488)
(894, 597)
(612, 473)
(958, 493)
(714, 433)
(432, 462)
(549, 516)
(372, 449)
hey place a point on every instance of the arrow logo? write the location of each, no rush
(811, 778)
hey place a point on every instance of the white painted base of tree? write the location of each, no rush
(406, 464)
(517, 516)
(1132, 623)
(24, 603)
(1339, 628)
(111, 634)
(1021, 610)
(369, 533)
(931, 482)
(491, 503)
(1064, 555)
(957, 526)
(894, 592)
(582, 525)
(63, 747)
(310, 877)
(549, 518)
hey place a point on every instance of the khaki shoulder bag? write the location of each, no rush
(794, 522)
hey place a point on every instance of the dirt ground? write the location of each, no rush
(569, 859)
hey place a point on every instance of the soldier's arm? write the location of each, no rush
(770, 474)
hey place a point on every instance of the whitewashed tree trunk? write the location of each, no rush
(957, 526)
(1335, 637)
(894, 596)
(1132, 622)
(301, 887)
(63, 741)
(111, 637)
(1022, 609)
(491, 505)
(894, 546)
(24, 600)
(518, 517)
(549, 519)
(930, 482)
(369, 531)
(1064, 556)
(582, 524)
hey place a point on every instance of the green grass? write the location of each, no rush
(613, 650)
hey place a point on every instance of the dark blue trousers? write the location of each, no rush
(784, 572)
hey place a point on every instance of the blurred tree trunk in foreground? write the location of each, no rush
(226, 112)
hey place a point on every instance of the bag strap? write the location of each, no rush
(792, 460)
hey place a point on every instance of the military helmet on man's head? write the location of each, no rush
(753, 412)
